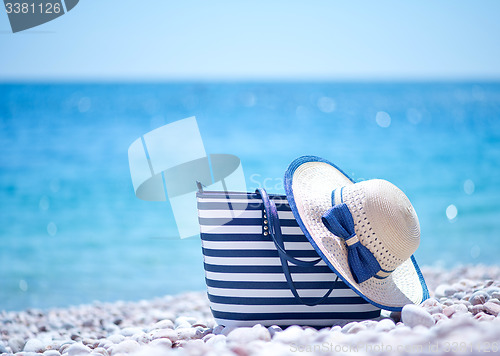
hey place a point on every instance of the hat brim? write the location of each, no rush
(309, 182)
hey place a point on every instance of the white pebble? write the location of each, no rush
(217, 340)
(196, 344)
(218, 329)
(245, 335)
(385, 325)
(430, 302)
(479, 297)
(34, 345)
(130, 331)
(413, 315)
(116, 338)
(356, 328)
(444, 290)
(492, 308)
(141, 337)
(439, 317)
(187, 333)
(16, 344)
(165, 343)
(346, 327)
(163, 324)
(164, 333)
(273, 329)
(455, 309)
(227, 330)
(290, 335)
(100, 351)
(51, 353)
(184, 321)
(336, 328)
(125, 347)
(77, 349)
(105, 343)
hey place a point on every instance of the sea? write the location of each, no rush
(73, 232)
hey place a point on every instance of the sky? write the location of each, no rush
(159, 40)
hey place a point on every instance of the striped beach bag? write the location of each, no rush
(261, 269)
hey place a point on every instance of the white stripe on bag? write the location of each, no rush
(251, 261)
(292, 308)
(254, 245)
(270, 277)
(240, 214)
(278, 202)
(264, 293)
(284, 322)
(246, 229)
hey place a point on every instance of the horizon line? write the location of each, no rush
(229, 80)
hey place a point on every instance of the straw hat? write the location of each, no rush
(366, 232)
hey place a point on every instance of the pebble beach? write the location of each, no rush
(460, 318)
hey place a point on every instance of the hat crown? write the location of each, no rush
(385, 221)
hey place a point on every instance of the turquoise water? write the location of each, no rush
(72, 231)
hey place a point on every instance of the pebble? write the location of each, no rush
(479, 297)
(218, 329)
(165, 343)
(16, 344)
(105, 343)
(430, 302)
(290, 335)
(3, 350)
(494, 300)
(141, 337)
(346, 327)
(124, 347)
(130, 331)
(78, 349)
(484, 317)
(455, 309)
(163, 324)
(164, 333)
(225, 331)
(475, 309)
(116, 338)
(184, 321)
(64, 347)
(217, 339)
(246, 335)
(385, 325)
(34, 345)
(273, 329)
(100, 351)
(356, 328)
(92, 343)
(439, 317)
(444, 290)
(492, 308)
(188, 333)
(413, 315)
(51, 353)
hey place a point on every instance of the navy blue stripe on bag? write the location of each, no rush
(244, 267)
(315, 319)
(264, 269)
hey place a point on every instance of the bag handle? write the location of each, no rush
(275, 233)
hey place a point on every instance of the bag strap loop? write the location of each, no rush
(275, 233)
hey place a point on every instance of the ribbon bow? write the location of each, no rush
(362, 263)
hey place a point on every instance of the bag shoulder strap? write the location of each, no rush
(277, 237)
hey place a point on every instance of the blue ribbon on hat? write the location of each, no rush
(362, 263)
